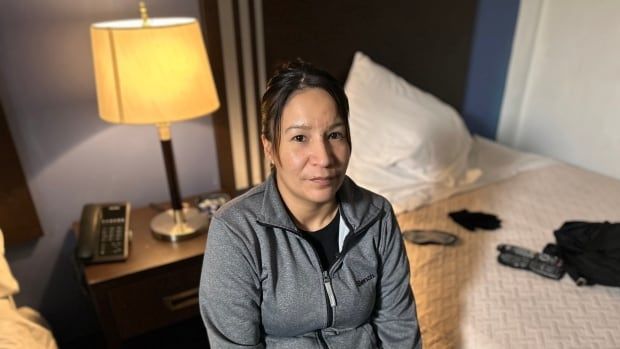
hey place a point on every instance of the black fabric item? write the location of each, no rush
(325, 242)
(552, 249)
(591, 252)
(473, 220)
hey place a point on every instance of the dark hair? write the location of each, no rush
(290, 77)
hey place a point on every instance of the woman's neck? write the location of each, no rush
(313, 217)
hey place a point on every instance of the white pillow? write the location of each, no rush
(403, 138)
(8, 284)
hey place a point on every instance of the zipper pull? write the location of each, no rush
(328, 287)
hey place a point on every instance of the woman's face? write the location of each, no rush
(313, 150)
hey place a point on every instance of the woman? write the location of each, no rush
(307, 259)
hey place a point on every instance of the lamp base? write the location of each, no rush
(175, 225)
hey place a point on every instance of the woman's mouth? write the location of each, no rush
(323, 181)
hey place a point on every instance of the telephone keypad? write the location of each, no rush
(112, 232)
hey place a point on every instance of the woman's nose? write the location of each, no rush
(322, 154)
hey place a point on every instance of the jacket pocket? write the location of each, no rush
(367, 328)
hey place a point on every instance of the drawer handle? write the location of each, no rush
(181, 300)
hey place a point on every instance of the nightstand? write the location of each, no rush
(155, 287)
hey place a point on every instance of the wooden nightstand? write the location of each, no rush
(155, 287)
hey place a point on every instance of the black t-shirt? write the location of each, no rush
(325, 242)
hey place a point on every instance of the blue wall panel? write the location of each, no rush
(488, 69)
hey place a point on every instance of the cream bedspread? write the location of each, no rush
(23, 328)
(466, 299)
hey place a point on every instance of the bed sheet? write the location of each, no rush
(23, 327)
(466, 299)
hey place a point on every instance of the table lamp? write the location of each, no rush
(155, 71)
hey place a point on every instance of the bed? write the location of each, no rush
(465, 298)
(20, 327)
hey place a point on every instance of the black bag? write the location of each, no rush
(591, 252)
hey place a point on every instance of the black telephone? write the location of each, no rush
(104, 233)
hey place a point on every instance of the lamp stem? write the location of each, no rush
(180, 222)
(144, 14)
(171, 173)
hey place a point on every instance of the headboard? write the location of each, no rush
(426, 42)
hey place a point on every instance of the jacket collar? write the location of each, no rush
(356, 206)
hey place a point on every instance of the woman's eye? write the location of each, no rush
(299, 138)
(336, 135)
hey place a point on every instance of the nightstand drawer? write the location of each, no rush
(157, 300)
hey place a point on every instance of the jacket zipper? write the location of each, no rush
(327, 282)
(319, 334)
(331, 298)
(329, 291)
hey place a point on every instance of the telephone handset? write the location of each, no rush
(104, 233)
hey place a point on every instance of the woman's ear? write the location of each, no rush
(267, 148)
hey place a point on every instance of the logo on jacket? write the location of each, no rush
(359, 283)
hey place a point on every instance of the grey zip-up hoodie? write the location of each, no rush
(262, 284)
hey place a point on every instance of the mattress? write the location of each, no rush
(466, 299)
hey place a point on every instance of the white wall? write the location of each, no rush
(69, 155)
(563, 91)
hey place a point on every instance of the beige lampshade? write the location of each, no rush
(152, 74)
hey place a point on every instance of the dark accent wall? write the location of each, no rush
(18, 218)
(213, 41)
(426, 42)
(491, 49)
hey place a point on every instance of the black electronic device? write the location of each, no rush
(520, 251)
(513, 260)
(104, 233)
(547, 265)
(522, 258)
